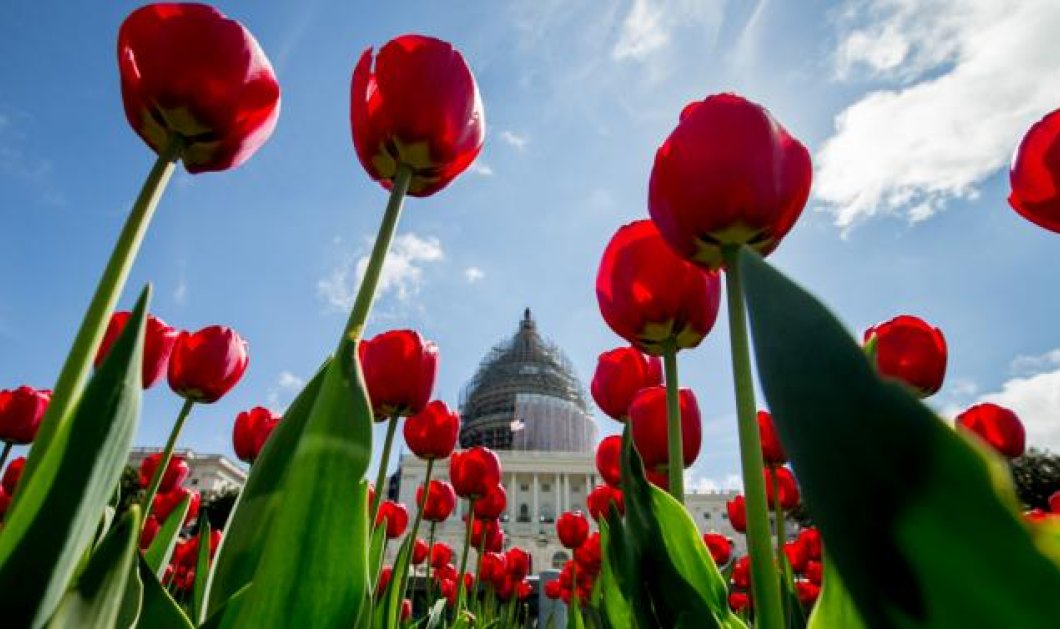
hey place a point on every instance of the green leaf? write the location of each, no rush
(375, 553)
(912, 513)
(388, 608)
(96, 599)
(437, 614)
(159, 610)
(612, 599)
(244, 540)
(834, 608)
(60, 508)
(793, 610)
(314, 567)
(202, 572)
(161, 548)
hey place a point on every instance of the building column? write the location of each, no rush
(557, 496)
(535, 517)
(513, 500)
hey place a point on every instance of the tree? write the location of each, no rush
(218, 505)
(1037, 476)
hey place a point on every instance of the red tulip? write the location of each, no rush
(441, 555)
(651, 297)
(601, 498)
(737, 513)
(659, 477)
(399, 368)
(432, 433)
(447, 588)
(484, 533)
(807, 591)
(523, 590)
(647, 416)
(619, 374)
(609, 460)
(149, 532)
(810, 538)
(474, 472)
(396, 516)
(187, 553)
(720, 547)
(174, 475)
(552, 589)
(741, 572)
(772, 450)
(518, 562)
(1035, 174)
(493, 568)
(187, 69)
(419, 107)
(589, 556)
(206, 364)
(12, 475)
(786, 486)
(384, 580)
(796, 555)
(814, 571)
(158, 343)
(441, 499)
(911, 351)
(572, 528)
(728, 174)
(164, 504)
(739, 601)
(996, 425)
(5, 502)
(420, 550)
(252, 430)
(406, 609)
(21, 410)
(1054, 502)
(491, 505)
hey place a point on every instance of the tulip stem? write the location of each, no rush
(71, 379)
(463, 556)
(167, 454)
(419, 517)
(4, 455)
(765, 587)
(366, 293)
(674, 438)
(430, 557)
(782, 559)
(384, 462)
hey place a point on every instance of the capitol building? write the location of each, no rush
(527, 404)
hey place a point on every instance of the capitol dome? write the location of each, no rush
(525, 396)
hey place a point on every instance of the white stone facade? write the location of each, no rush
(209, 472)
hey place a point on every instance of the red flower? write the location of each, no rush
(518, 561)
(396, 516)
(420, 550)
(996, 425)
(720, 547)
(772, 450)
(1035, 174)
(609, 460)
(651, 297)
(619, 374)
(589, 556)
(188, 69)
(474, 472)
(728, 174)
(552, 589)
(158, 343)
(419, 107)
(493, 568)
(251, 431)
(786, 485)
(384, 580)
(523, 589)
(658, 477)
(484, 533)
(206, 364)
(737, 513)
(165, 502)
(399, 368)
(810, 538)
(910, 350)
(492, 504)
(1054, 502)
(441, 555)
(600, 499)
(174, 475)
(647, 416)
(5, 502)
(12, 475)
(431, 433)
(572, 528)
(441, 499)
(21, 410)
(796, 555)
(739, 601)
(807, 591)
(150, 532)
(406, 609)
(814, 571)
(741, 572)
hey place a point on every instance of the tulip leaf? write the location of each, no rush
(96, 598)
(159, 610)
(436, 615)
(202, 572)
(612, 599)
(161, 548)
(908, 509)
(388, 607)
(241, 547)
(313, 570)
(834, 608)
(375, 554)
(61, 506)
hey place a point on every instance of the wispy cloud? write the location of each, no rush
(287, 385)
(474, 274)
(402, 273)
(643, 31)
(481, 168)
(514, 139)
(969, 77)
(704, 484)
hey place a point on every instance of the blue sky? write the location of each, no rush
(911, 110)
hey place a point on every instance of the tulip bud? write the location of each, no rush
(432, 433)
(251, 430)
(997, 426)
(175, 473)
(396, 517)
(619, 374)
(572, 527)
(21, 411)
(720, 547)
(13, 474)
(609, 460)
(158, 344)
(601, 498)
(206, 364)
(737, 513)
(399, 369)
(911, 351)
(1034, 173)
(491, 505)
(441, 500)
(474, 472)
(772, 450)
(648, 420)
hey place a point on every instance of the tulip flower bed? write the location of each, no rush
(917, 524)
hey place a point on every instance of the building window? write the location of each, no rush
(559, 559)
(524, 487)
(524, 513)
(706, 516)
(546, 487)
(725, 516)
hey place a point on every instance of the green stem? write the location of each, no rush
(427, 587)
(419, 517)
(463, 555)
(71, 379)
(674, 437)
(7, 451)
(167, 454)
(778, 515)
(384, 462)
(763, 581)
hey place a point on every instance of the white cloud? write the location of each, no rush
(704, 485)
(643, 31)
(1025, 365)
(287, 385)
(402, 272)
(969, 78)
(514, 139)
(481, 168)
(473, 274)
(180, 293)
